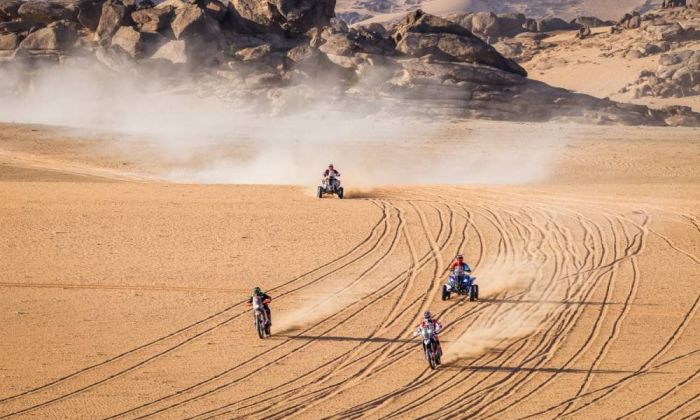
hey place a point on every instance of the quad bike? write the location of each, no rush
(430, 347)
(330, 185)
(460, 283)
(262, 322)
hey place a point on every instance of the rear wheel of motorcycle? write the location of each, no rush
(340, 193)
(319, 192)
(267, 330)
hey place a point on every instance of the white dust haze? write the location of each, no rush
(315, 306)
(510, 321)
(197, 138)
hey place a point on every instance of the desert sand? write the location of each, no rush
(123, 292)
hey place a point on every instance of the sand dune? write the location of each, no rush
(123, 297)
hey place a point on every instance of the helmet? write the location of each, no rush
(330, 165)
(257, 291)
(427, 315)
(460, 257)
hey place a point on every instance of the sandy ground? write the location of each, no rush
(123, 293)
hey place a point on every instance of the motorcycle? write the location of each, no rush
(461, 283)
(430, 347)
(262, 322)
(330, 185)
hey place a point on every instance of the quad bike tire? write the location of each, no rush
(319, 192)
(445, 292)
(341, 193)
(474, 293)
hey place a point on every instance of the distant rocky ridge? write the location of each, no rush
(291, 52)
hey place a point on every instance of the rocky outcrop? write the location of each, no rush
(677, 75)
(152, 19)
(554, 24)
(112, 17)
(89, 13)
(291, 16)
(137, 44)
(9, 42)
(421, 34)
(46, 11)
(58, 36)
(283, 52)
(9, 10)
(174, 52)
(590, 22)
(203, 36)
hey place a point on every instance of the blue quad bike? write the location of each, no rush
(461, 284)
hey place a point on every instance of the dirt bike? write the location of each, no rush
(461, 283)
(262, 322)
(330, 185)
(430, 347)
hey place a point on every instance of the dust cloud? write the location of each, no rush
(199, 138)
(316, 306)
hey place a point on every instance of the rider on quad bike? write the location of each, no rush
(330, 174)
(459, 263)
(265, 298)
(427, 322)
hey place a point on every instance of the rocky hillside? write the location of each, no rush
(291, 52)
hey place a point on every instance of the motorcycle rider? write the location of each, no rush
(264, 297)
(429, 322)
(329, 174)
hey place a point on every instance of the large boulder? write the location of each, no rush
(423, 23)
(216, 9)
(293, 16)
(9, 9)
(420, 34)
(192, 21)
(89, 13)
(57, 36)
(254, 53)
(360, 40)
(202, 33)
(9, 42)
(137, 44)
(630, 21)
(173, 51)
(553, 24)
(20, 26)
(511, 24)
(589, 22)
(46, 11)
(486, 23)
(152, 19)
(668, 32)
(112, 17)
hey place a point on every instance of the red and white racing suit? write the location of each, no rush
(436, 326)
